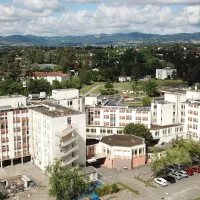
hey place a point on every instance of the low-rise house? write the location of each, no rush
(119, 151)
(167, 73)
(124, 79)
(51, 76)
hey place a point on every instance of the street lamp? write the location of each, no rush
(136, 170)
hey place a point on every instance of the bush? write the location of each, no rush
(115, 188)
(106, 189)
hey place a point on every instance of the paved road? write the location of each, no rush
(186, 189)
(92, 90)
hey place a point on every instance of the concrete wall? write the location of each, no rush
(14, 101)
(91, 101)
(193, 94)
(65, 94)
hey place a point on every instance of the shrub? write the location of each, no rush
(106, 189)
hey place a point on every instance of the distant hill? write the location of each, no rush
(101, 39)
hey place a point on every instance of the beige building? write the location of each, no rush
(57, 132)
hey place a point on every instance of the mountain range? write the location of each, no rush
(134, 38)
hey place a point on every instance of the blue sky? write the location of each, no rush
(81, 17)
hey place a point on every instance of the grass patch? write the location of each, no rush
(128, 188)
(197, 198)
(86, 88)
(147, 183)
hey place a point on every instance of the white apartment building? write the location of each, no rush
(57, 132)
(165, 73)
(103, 121)
(69, 98)
(51, 76)
(14, 123)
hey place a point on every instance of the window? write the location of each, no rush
(69, 121)
(70, 103)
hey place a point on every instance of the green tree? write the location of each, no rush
(157, 163)
(151, 88)
(108, 84)
(139, 130)
(56, 84)
(146, 101)
(76, 82)
(66, 182)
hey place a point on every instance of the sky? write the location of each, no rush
(84, 17)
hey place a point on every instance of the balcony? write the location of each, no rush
(68, 151)
(66, 132)
(68, 141)
(17, 138)
(3, 121)
(71, 159)
(4, 140)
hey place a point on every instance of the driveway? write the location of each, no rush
(185, 189)
(92, 90)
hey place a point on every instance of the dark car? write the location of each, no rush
(170, 179)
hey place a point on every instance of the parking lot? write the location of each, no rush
(185, 189)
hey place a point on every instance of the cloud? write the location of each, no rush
(40, 5)
(106, 18)
(82, 1)
(157, 2)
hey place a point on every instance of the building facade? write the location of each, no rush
(165, 73)
(69, 98)
(57, 132)
(103, 121)
(51, 76)
(15, 135)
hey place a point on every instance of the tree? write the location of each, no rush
(156, 164)
(108, 84)
(56, 84)
(67, 182)
(139, 130)
(151, 88)
(146, 101)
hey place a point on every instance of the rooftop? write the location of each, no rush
(11, 96)
(157, 127)
(89, 170)
(91, 142)
(122, 140)
(45, 74)
(54, 110)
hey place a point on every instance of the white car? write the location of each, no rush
(176, 175)
(183, 174)
(161, 181)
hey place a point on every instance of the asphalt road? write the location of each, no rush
(185, 189)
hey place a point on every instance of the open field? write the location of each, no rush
(86, 88)
(127, 85)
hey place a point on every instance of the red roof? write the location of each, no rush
(45, 74)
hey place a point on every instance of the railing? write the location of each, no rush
(66, 132)
(68, 151)
(69, 141)
(71, 159)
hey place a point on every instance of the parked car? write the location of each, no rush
(161, 181)
(183, 173)
(176, 175)
(170, 179)
(195, 169)
(189, 172)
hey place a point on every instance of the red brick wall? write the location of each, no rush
(138, 161)
(108, 163)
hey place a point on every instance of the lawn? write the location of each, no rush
(127, 85)
(86, 88)
(128, 188)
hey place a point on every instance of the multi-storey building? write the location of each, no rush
(14, 122)
(69, 98)
(57, 132)
(103, 121)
